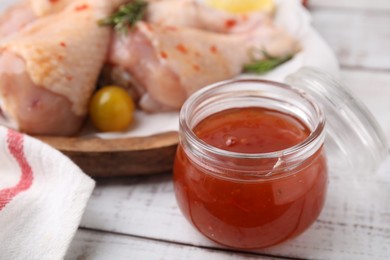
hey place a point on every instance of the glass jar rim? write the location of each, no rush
(315, 134)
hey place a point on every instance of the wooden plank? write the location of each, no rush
(358, 38)
(355, 223)
(382, 5)
(128, 156)
(98, 245)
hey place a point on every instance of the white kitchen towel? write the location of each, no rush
(42, 198)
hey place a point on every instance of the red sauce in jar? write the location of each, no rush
(253, 212)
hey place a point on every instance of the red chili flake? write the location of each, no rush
(171, 28)
(164, 55)
(230, 23)
(213, 49)
(69, 78)
(36, 103)
(53, 1)
(149, 26)
(181, 48)
(60, 57)
(196, 67)
(81, 7)
(63, 44)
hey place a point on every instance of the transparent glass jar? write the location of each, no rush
(251, 200)
(257, 200)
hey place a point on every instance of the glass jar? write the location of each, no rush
(255, 200)
(251, 200)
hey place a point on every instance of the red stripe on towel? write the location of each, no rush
(15, 146)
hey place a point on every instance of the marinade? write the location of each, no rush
(243, 211)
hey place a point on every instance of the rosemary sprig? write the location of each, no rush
(267, 64)
(127, 15)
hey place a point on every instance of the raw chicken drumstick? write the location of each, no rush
(25, 12)
(49, 69)
(171, 63)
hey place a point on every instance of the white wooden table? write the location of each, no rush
(137, 218)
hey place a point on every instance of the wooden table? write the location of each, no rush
(137, 218)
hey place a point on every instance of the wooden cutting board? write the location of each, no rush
(119, 157)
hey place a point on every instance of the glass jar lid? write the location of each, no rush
(355, 143)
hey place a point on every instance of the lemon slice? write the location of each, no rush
(242, 6)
